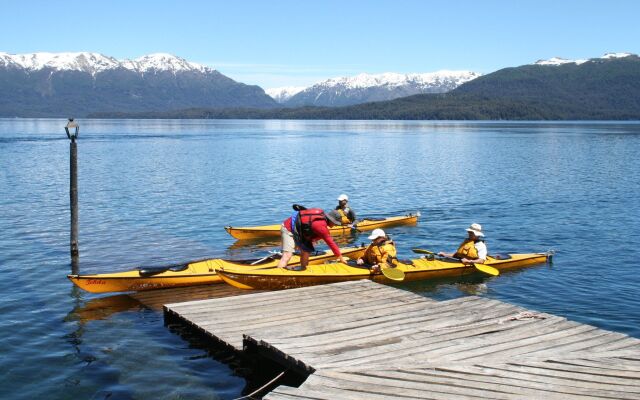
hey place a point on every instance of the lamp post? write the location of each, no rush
(72, 129)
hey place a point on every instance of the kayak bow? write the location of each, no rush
(195, 273)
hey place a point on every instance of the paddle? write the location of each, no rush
(487, 269)
(392, 273)
(270, 256)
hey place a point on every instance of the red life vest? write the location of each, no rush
(303, 221)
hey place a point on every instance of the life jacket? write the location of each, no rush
(467, 250)
(301, 223)
(379, 254)
(345, 219)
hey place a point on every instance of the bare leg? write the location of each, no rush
(286, 256)
(304, 258)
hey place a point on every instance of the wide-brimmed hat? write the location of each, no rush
(476, 229)
(377, 233)
(334, 217)
(343, 197)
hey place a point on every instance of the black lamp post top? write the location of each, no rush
(72, 128)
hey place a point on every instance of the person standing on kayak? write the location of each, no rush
(302, 230)
(380, 252)
(472, 250)
(347, 215)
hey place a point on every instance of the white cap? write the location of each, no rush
(377, 233)
(476, 229)
(343, 197)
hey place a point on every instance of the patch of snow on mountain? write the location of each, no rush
(391, 79)
(616, 55)
(283, 94)
(163, 62)
(6, 60)
(83, 61)
(554, 61)
(560, 61)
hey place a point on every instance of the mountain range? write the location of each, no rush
(364, 88)
(54, 84)
(162, 85)
(76, 84)
(604, 88)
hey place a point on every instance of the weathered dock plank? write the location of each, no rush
(362, 340)
(277, 310)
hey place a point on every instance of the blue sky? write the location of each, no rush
(295, 43)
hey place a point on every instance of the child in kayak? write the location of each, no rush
(380, 252)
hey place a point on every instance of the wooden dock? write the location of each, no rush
(362, 340)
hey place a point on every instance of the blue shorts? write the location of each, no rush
(308, 247)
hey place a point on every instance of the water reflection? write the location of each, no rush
(103, 307)
(75, 264)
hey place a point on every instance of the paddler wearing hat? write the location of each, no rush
(381, 251)
(473, 250)
(347, 215)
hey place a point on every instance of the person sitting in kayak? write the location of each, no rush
(347, 215)
(473, 250)
(380, 252)
(302, 230)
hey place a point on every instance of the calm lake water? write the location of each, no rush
(154, 192)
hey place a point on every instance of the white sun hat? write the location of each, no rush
(476, 229)
(343, 197)
(377, 233)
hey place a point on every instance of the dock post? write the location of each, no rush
(72, 129)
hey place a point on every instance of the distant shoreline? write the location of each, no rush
(483, 121)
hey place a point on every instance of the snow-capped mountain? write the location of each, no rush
(66, 84)
(365, 88)
(164, 62)
(560, 61)
(282, 94)
(95, 62)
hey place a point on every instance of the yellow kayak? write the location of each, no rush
(190, 274)
(418, 269)
(367, 224)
